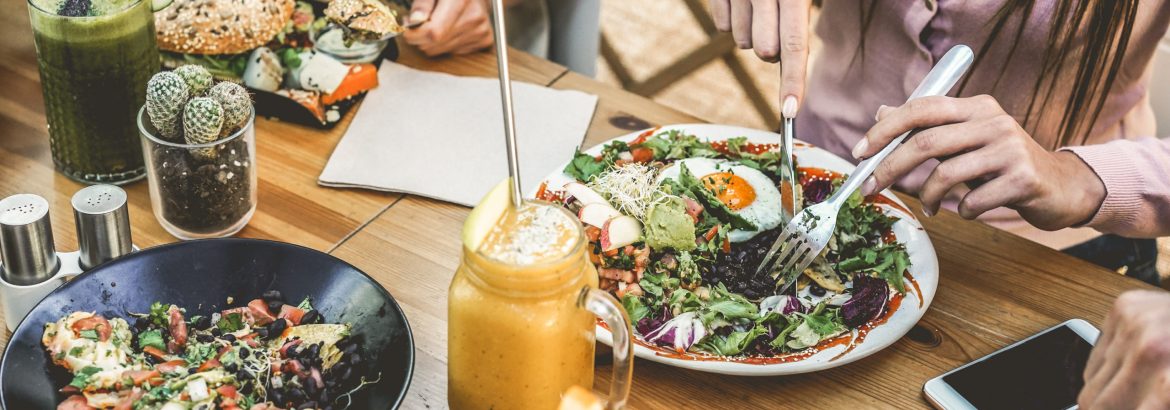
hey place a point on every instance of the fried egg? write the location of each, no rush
(745, 190)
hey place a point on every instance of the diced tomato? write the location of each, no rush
(245, 314)
(209, 364)
(260, 314)
(727, 246)
(127, 401)
(154, 351)
(315, 375)
(171, 366)
(711, 233)
(694, 208)
(289, 344)
(361, 78)
(292, 313)
(642, 154)
(96, 323)
(643, 136)
(295, 367)
(178, 328)
(227, 390)
(74, 402)
(140, 377)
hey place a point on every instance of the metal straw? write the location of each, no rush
(501, 37)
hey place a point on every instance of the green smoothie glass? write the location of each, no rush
(95, 57)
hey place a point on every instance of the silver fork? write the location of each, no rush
(806, 235)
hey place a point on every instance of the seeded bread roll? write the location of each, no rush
(220, 26)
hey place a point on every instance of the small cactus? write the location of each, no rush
(166, 93)
(197, 78)
(236, 105)
(202, 122)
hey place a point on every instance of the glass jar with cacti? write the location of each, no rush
(199, 145)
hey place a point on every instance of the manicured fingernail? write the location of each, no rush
(878, 115)
(860, 148)
(869, 187)
(789, 109)
(926, 211)
(418, 16)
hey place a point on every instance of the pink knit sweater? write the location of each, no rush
(904, 40)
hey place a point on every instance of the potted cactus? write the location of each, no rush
(198, 142)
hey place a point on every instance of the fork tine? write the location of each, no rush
(792, 248)
(776, 246)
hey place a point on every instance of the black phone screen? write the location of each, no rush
(1045, 372)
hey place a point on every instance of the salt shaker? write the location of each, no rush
(26, 241)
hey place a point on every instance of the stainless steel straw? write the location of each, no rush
(506, 101)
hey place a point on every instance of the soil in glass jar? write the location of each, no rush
(95, 58)
(204, 190)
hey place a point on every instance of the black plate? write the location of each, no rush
(200, 276)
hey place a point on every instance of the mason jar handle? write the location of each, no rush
(606, 307)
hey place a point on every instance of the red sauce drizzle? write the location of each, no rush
(917, 290)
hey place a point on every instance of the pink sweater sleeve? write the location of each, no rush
(1136, 174)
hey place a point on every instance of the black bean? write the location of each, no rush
(816, 290)
(276, 328)
(347, 374)
(142, 323)
(192, 370)
(274, 306)
(244, 374)
(351, 349)
(312, 317)
(216, 332)
(355, 359)
(311, 388)
(262, 332)
(295, 395)
(231, 367)
(203, 322)
(308, 405)
(245, 352)
(314, 350)
(204, 338)
(272, 295)
(228, 337)
(276, 396)
(246, 388)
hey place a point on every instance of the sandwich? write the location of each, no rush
(219, 34)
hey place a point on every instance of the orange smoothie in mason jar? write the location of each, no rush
(519, 331)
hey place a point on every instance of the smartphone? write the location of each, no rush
(1044, 371)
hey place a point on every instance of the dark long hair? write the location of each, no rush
(1103, 26)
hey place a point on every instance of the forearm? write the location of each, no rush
(1136, 177)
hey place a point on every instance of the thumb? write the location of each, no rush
(420, 12)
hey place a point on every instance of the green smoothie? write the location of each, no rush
(95, 58)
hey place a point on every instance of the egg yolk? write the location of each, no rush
(732, 190)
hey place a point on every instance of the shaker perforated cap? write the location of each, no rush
(103, 224)
(26, 240)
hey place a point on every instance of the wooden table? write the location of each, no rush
(995, 287)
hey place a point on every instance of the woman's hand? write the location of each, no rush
(451, 26)
(981, 145)
(1130, 366)
(778, 31)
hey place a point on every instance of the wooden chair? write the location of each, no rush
(719, 46)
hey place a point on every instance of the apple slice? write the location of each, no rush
(620, 231)
(486, 214)
(584, 194)
(597, 214)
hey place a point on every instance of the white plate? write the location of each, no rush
(924, 267)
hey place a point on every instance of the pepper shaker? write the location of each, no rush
(103, 224)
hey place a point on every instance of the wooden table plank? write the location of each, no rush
(995, 288)
(291, 206)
